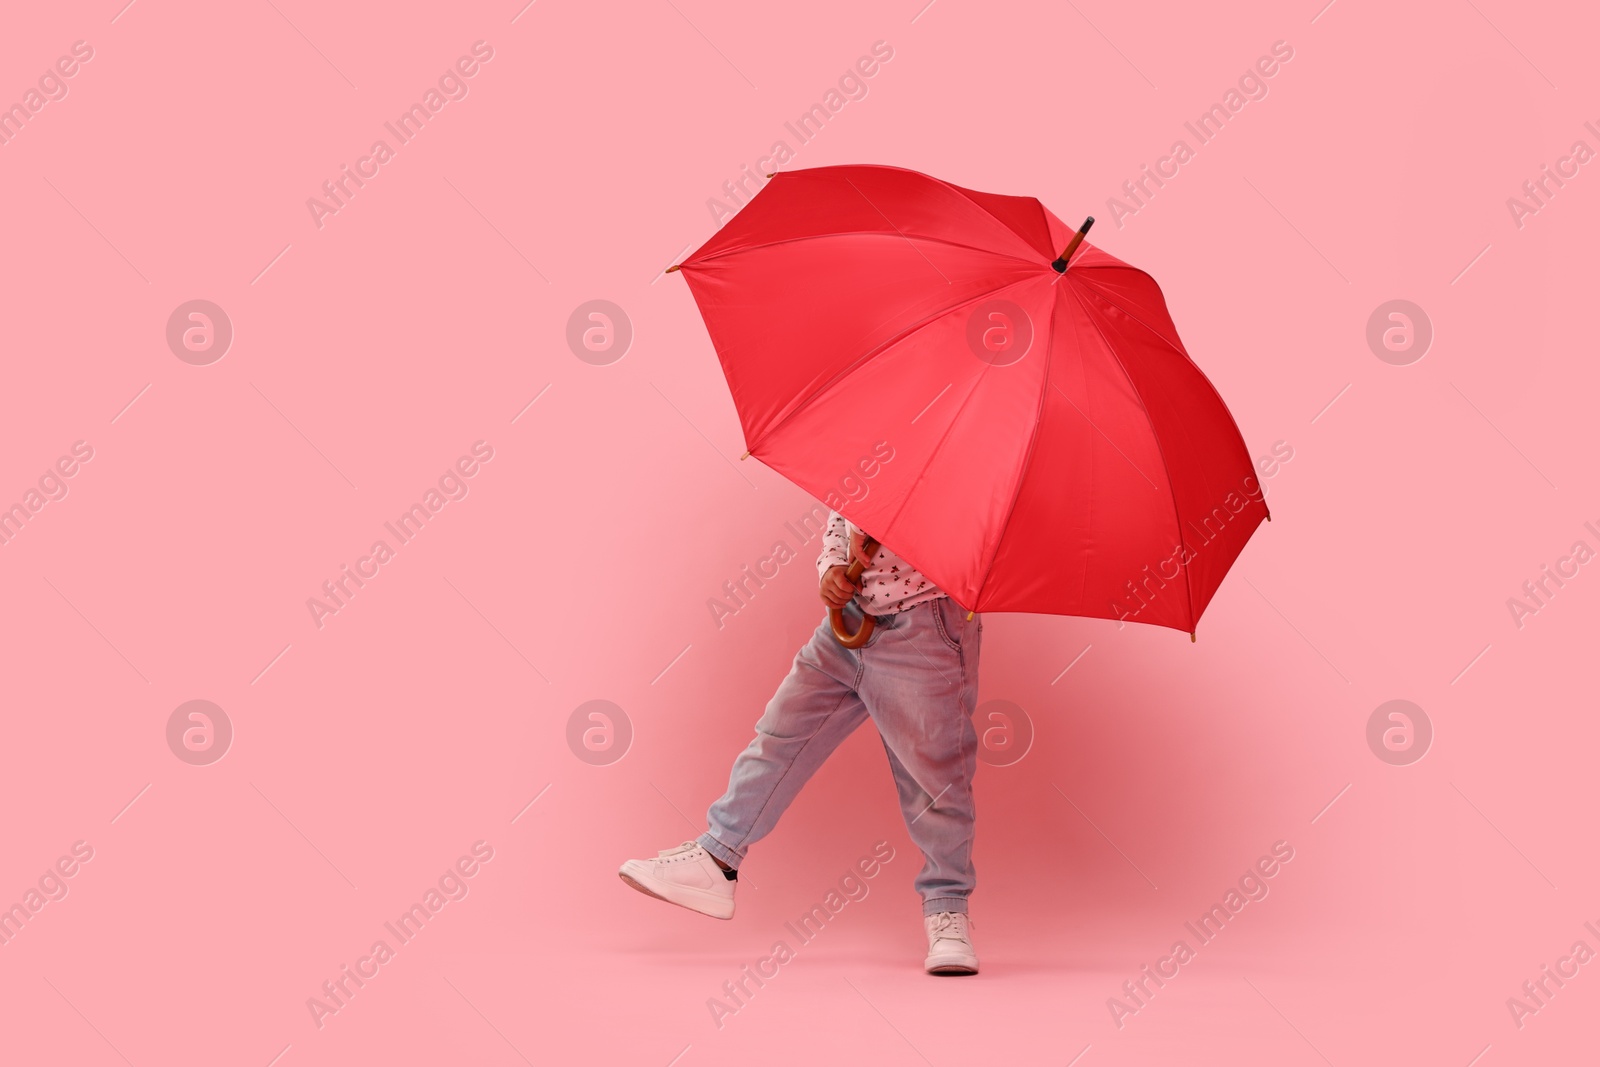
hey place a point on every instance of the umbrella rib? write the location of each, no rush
(1176, 516)
(897, 229)
(1133, 315)
(853, 233)
(1003, 224)
(1203, 376)
(858, 363)
(1021, 475)
(933, 455)
(1096, 427)
(1044, 221)
(964, 194)
(1027, 458)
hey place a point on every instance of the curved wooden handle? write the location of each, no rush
(836, 615)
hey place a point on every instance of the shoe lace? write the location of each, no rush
(950, 924)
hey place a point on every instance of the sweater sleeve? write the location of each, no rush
(835, 544)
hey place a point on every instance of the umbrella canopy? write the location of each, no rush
(1031, 438)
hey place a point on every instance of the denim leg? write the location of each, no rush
(815, 708)
(920, 687)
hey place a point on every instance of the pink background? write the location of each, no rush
(368, 354)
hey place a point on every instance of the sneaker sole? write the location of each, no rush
(714, 909)
(950, 967)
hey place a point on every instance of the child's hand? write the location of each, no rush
(858, 551)
(836, 589)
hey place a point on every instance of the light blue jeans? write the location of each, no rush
(917, 678)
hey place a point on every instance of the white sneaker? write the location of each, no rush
(949, 944)
(686, 876)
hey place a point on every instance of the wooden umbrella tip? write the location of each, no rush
(1191, 637)
(670, 269)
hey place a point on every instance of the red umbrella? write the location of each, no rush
(1019, 423)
